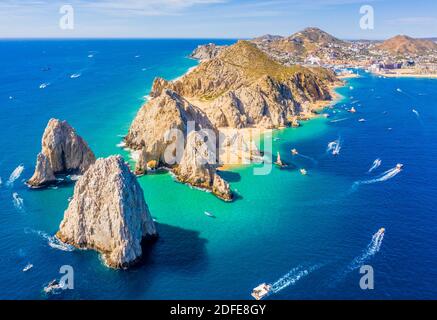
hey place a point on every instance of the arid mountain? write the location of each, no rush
(239, 88)
(310, 42)
(405, 46)
(244, 87)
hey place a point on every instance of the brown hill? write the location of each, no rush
(404, 45)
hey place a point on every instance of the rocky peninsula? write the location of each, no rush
(237, 87)
(108, 213)
(63, 152)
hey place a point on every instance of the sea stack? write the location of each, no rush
(108, 213)
(198, 168)
(63, 152)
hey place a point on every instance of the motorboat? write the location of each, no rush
(399, 166)
(261, 291)
(294, 152)
(303, 172)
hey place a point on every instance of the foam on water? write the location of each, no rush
(15, 175)
(373, 248)
(18, 201)
(292, 277)
(52, 241)
(376, 164)
(389, 174)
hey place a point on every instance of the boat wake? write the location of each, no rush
(389, 174)
(308, 158)
(52, 241)
(15, 175)
(18, 201)
(334, 147)
(75, 75)
(293, 276)
(339, 120)
(373, 248)
(376, 165)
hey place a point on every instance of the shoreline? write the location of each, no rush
(406, 75)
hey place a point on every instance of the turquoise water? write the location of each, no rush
(318, 226)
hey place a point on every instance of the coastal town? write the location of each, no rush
(396, 57)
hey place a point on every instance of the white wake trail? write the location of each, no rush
(334, 147)
(376, 164)
(15, 175)
(293, 276)
(373, 248)
(52, 241)
(389, 174)
(18, 201)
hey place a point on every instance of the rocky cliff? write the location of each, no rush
(198, 167)
(241, 87)
(151, 131)
(206, 52)
(108, 213)
(244, 87)
(63, 152)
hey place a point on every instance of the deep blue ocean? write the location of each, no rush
(307, 235)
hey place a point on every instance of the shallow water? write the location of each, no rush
(310, 228)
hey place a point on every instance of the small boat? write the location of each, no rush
(362, 120)
(209, 214)
(326, 115)
(279, 162)
(382, 230)
(294, 152)
(303, 172)
(28, 267)
(75, 75)
(261, 291)
(352, 110)
(44, 85)
(400, 166)
(52, 286)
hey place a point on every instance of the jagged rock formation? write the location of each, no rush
(108, 213)
(151, 132)
(207, 51)
(243, 87)
(63, 151)
(402, 45)
(198, 168)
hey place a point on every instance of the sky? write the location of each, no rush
(213, 18)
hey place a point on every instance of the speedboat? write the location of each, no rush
(362, 120)
(352, 110)
(52, 286)
(28, 267)
(303, 172)
(294, 152)
(261, 291)
(399, 166)
(209, 214)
